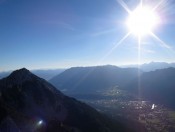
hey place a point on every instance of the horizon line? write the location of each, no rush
(61, 68)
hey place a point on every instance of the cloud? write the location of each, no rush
(96, 34)
(58, 23)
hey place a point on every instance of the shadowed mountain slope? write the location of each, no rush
(93, 79)
(29, 103)
(158, 86)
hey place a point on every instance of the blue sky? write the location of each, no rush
(64, 33)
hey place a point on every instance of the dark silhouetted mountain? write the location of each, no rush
(92, 79)
(8, 125)
(158, 86)
(30, 104)
(45, 74)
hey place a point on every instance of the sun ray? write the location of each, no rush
(123, 4)
(139, 62)
(121, 40)
(163, 44)
(139, 49)
(141, 3)
(116, 45)
(141, 22)
(157, 6)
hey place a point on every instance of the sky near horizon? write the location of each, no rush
(64, 33)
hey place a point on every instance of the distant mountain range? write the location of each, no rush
(152, 66)
(45, 74)
(30, 104)
(50, 73)
(93, 79)
(4, 74)
(157, 86)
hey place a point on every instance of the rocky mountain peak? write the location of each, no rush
(21, 75)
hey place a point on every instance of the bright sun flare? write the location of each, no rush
(142, 21)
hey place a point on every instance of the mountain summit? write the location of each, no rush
(29, 103)
(20, 76)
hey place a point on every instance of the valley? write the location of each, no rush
(122, 106)
(142, 102)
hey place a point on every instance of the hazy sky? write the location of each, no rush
(64, 33)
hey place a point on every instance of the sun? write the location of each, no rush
(142, 21)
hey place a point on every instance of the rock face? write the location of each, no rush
(29, 103)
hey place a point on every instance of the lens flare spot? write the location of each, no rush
(40, 122)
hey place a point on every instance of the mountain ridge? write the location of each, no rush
(42, 73)
(35, 105)
(92, 79)
(156, 86)
(159, 85)
(152, 66)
